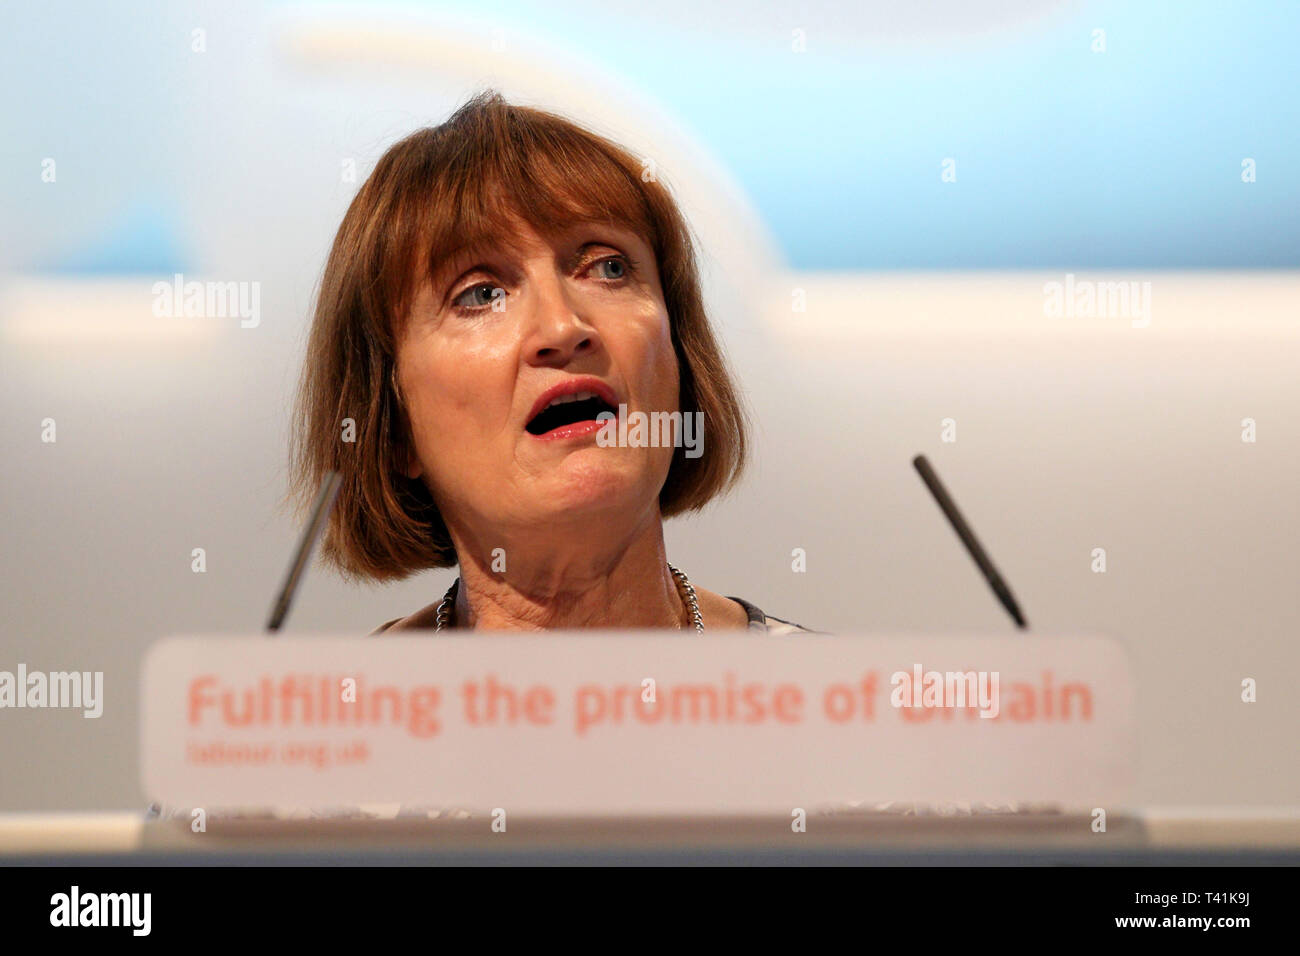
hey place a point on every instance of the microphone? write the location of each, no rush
(320, 512)
(969, 540)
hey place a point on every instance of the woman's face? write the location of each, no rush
(486, 341)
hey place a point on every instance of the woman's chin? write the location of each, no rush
(586, 485)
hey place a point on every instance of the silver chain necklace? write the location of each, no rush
(684, 588)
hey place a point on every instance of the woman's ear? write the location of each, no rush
(412, 469)
(408, 463)
(405, 460)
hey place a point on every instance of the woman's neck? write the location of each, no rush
(611, 580)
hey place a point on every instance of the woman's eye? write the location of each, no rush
(477, 296)
(613, 268)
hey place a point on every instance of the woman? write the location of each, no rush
(507, 302)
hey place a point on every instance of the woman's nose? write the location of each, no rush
(557, 330)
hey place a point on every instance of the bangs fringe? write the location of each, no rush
(493, 165)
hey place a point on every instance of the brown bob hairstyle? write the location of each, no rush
(441, 189)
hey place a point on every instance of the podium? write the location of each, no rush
(643, 747)
(1158, 836)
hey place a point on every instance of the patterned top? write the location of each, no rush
(427, 617)
(758, 621)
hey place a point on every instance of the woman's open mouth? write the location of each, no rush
(570, 415)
